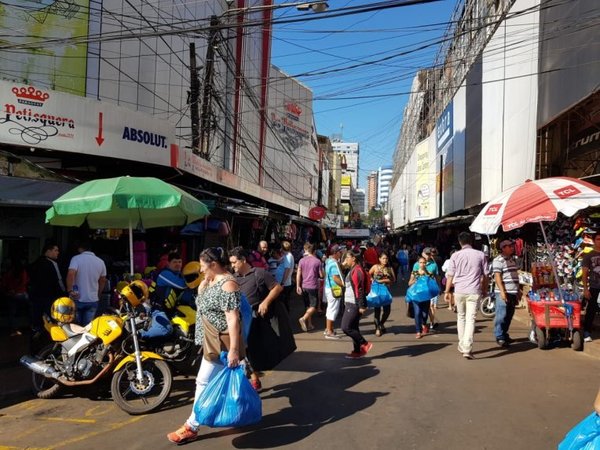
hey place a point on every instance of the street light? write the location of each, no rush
(314, 6)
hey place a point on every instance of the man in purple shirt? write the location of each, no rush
(468, 273)
(307, 284)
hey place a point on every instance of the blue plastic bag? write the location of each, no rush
(583, 436)
(425, 288)
(379, 295)
(246, 311)
(228, 400)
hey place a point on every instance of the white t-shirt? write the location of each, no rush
(288, 263)
(89, 269)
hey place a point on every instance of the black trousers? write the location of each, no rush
(591, 310)
(350, 321)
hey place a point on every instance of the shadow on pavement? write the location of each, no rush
(330, 401)
(413, 350)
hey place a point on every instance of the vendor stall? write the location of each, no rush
(551, 304)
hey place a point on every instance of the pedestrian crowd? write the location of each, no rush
(346, 278)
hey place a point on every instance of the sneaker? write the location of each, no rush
(468, 355)
(302, 323)
(587, 337)
(434, 326)
(364, 349)
(509, 340)
(256, 384)
(183, 435)
(354, 355)
(502, 342)
(425, 329)
(332, 336)
(532, 337)
(378, 332)
(310, 327)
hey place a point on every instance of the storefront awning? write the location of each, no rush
(30, 192)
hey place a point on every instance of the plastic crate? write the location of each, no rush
(552, 315)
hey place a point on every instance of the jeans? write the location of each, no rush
(86, 311)
(208, 370)
(466, 306)
(285, 296)
(421, 313)
(350, 321)
(504, 314)
(159, 327)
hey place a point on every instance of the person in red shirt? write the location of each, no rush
(370, 257)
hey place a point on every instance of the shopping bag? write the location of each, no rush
(425, 288)
(410, 310)
(246, 312)
(336, 290)
(228, 400)
(379, 295)
(583, 436)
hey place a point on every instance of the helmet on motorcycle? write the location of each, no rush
(135, 293)
(63, 310)
(191, 274)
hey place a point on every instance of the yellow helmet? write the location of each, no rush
(120, 285)
(191, 274)
(63, 310)
(135, 293)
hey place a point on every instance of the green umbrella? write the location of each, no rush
(125, 202)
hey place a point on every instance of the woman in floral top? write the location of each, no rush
(218, 302)
(382, 273)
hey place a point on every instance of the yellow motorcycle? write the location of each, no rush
(81, 356)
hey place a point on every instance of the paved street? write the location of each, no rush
(408, 394)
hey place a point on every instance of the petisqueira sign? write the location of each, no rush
(41, 118)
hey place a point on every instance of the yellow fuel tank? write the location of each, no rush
(107, 328)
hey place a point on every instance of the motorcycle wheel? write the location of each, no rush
(487, 308)
(44, 387)
(140, 398)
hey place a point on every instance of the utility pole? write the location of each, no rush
(194, 99)
(207, 89)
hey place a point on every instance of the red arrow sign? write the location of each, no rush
(99, 138)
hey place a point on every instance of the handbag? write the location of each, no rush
(410, 310)
(216, 342)
(228, 400)
(583, 436)
(379, 295)
(425, 288)
(336, 290)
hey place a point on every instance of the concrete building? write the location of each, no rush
(358, 201)
(371, 191)
(351, 153)
(512, 95)
(384, 178)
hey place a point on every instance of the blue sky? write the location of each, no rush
(388, 47)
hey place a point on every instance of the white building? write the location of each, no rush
(359, 201)
(351, 152)
(384, 178)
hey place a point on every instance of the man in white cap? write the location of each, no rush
(506, 277)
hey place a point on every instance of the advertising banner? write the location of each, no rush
(61, 65)
(35, 117)
(425, 194)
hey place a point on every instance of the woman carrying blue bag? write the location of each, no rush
(380, 297)
(422, 287)
(217, 317)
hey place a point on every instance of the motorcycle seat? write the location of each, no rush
(72, 329)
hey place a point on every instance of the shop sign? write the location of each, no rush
(345, 193)
(317, 212)
(346, 180)
(36, 117)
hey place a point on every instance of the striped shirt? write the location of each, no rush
(507, 268)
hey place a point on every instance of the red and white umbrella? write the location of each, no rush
(535, 201)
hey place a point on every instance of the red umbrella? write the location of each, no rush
(536, 201)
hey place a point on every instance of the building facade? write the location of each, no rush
(371, 190)
(384, 178)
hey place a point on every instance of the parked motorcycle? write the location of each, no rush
(81, 356)
(487, 305)
(179, 349)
